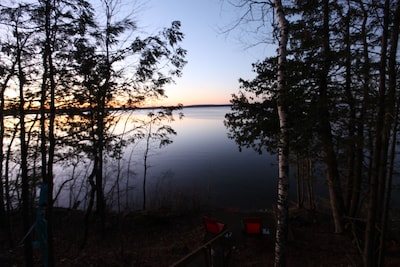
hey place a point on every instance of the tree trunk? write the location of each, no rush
(145, 164)
(378, 157)
(351, 149)
(335, 192)
(47, 135)
(283, 180)
(4, 210)
(2, 198)
(89, 208)
(310, 187)
(387, 195)
(300, 181)
(50, 162)
(26, 205)
(359, 161)
(391, 115)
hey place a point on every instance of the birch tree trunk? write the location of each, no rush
(283, 181)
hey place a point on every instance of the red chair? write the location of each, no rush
(252, 225)
(218, 245)
(213, 226)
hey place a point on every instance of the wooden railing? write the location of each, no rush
(214, 253)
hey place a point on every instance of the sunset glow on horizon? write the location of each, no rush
(216, 61)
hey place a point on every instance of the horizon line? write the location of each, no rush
(186, 106)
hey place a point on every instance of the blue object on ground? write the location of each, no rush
(265, 231)
(41, 225)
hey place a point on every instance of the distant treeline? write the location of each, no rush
(77, 111)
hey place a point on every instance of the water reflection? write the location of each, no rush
(201, 165)
(203, 160)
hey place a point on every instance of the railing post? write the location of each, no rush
(207, 251)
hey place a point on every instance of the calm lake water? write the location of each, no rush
(204, 160)
(201, 167)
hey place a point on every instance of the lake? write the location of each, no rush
(204, 160)
(201, 166)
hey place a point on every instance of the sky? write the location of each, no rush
(216, 60)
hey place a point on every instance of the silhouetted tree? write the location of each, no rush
(59, 24)
(105, 84)
(325, 128)
(338, 93)
(385, 108)
(160, 134)
(7, 71)
(73, 64)
(18, 53)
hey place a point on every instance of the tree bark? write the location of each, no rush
(359, 161)
(351, 148)
(283, 180)
(4, 192)
(391, 115)
(325, 131)
(47, 132)
(26, 205)
(378, 168)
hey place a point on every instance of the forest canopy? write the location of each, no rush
(63, 72)
(340, 96)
